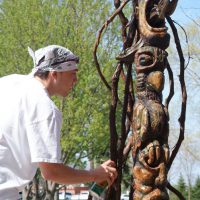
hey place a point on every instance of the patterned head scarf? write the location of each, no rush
(53, 58)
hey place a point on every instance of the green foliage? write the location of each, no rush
(73, 24)
(182, 187)
(196, 190)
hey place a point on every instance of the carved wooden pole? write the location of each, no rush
(150, 117)
(145, 40)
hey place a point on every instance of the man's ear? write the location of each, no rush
(53, 74)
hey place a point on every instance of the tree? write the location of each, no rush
(181, 186)
(196, 190)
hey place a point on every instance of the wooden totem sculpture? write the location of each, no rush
(150, 118)
(144, 49)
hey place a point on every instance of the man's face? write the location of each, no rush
(65, 82)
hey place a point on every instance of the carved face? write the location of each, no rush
(152, 27)
(150, 59)
(155, 13)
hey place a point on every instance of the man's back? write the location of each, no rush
(25, 113)
(13, 142)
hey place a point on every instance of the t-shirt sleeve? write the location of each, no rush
(44, 139)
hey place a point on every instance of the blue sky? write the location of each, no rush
(184, 9)
(189, 7)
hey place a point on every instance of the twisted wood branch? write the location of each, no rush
(175, 191)
(183, 90)
(98, 38)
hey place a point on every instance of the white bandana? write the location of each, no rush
(53, 58)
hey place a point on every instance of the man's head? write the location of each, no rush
(56, 67)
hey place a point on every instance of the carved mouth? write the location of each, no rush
(154, 14)
(154, 18)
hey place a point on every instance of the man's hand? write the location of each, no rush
(105, 172)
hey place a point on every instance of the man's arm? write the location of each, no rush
(66, 175)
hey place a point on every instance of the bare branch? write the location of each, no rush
(190, 17)
(184, 93)
(112, 117)
(109, 20)
(175, 191)
(195, 76)
(171, 82)
(186, 37)
(123, 19)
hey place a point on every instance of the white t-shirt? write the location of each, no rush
(30, 126)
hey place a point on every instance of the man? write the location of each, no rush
(30, 125)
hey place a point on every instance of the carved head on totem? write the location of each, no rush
(151, 15)
(148, 49)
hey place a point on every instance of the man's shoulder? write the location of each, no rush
(12, 79)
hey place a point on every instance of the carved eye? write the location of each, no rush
(146, 60)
